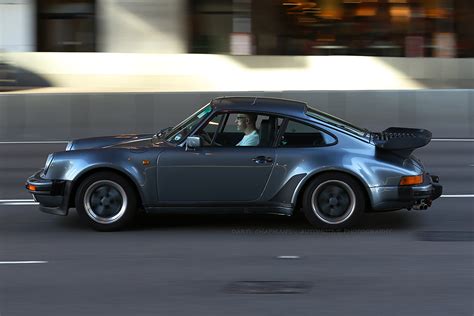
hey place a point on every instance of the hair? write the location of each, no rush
(252, 118)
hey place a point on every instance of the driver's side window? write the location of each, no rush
(239, 129)
(207, 133)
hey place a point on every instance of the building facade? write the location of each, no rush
(396, 28)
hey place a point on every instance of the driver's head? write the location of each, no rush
(245, 121)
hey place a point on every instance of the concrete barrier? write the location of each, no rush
(30, 117)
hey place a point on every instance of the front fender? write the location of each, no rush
(72, 165)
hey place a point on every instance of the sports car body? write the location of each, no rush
(240, 154)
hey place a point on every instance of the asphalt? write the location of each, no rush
(398, 263)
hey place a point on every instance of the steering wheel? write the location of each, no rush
(207, 139)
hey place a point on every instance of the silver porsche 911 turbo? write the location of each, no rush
(240, 155)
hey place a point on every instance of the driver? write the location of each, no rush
(246, 123)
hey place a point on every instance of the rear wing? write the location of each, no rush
(401, 140)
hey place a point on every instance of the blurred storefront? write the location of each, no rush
(392, 28)
(411, 28)
(66, 25)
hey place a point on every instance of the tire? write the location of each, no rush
(333, 201)
(106, 201)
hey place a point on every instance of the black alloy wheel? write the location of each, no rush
(106, 201)
(333, 201)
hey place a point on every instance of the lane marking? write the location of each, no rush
(16, 202)
(457, 196)
(36, 142)
(19, 203)
(289, 257)
(23, 262)
(453, 139)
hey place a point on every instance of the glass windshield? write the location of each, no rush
(182, 130)
(332, 120)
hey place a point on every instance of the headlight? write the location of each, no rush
(48, 163)
(69, 145)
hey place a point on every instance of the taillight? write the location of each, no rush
(411, 180)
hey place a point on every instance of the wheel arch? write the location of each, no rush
(80, 177)
(298, 198)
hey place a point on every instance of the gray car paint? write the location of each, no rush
(176, 175)
(213, 174)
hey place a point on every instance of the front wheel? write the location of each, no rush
(333, 201)
(106, 201)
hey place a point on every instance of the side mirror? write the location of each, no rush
(193, 142)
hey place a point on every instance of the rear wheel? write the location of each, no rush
(106, 201)
(333, 201)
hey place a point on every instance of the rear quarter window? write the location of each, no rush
(298, 134)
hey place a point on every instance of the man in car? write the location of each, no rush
(246, 124)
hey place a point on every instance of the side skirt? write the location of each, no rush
(218, 209)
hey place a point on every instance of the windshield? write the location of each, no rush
(182, 130)
(332, 120)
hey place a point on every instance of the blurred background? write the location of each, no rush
(83, 68)
(187, 45)
(396, 28)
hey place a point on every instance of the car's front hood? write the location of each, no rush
(126, 140)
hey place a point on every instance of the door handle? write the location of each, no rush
(262, 159)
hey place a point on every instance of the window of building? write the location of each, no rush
(66, 25)
(411, 28)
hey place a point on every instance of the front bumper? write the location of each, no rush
(399, 197)
(52, 195)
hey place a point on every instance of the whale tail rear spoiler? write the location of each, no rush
(400, 140)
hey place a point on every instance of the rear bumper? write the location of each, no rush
(431, 191)
(52, 195)
(399, 197)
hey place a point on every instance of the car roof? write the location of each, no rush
(260, 104)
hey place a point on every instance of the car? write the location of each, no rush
(240, 155)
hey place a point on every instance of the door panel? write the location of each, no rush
(214, 174)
